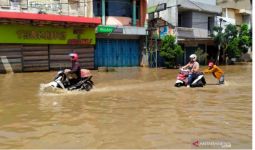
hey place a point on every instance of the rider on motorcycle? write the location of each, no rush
(193, 67)
(74, 74)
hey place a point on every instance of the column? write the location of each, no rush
(103, 12)
(134, 13)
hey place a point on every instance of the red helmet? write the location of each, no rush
(210, 64)
(74, 56)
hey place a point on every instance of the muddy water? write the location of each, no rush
(130, 108)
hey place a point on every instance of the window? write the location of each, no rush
(122, 8)
(180, 20)
(137, 9)
(15, 4)
(210, 25)
(97, 8)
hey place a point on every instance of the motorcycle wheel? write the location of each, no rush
(86, 86)
(178, 85)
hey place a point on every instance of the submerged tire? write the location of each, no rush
(178, 84)
(86, 86)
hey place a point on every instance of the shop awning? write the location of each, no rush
(49, 17)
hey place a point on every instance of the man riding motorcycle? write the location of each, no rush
(73, 74)
(193, 67)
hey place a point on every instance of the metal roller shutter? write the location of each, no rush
(59, 58)
(117, 53)
(14, 56)
(35, 58)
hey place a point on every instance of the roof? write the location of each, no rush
(49, 17)
(189, 4)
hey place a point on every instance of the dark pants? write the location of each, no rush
(73, 78)
(191, 78)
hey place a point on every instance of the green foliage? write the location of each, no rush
(230, 33)
(169, 50)
(217, 34)
(244, 43)
(232, 49)
(233, 41)
(244, 30)
(245, 39)
(201, 55)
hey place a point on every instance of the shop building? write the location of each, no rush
(42, 42)
(121, 36)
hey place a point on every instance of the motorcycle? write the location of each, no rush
(61, 81)
(182, 79)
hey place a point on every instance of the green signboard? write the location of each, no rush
(27, 34)
(151, 9)
(105, 29)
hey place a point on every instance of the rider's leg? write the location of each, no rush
(190, 79)
(221, 81)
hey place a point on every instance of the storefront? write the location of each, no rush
(118, 46)
(44, 47)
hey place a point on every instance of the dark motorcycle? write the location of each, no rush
(61, 81)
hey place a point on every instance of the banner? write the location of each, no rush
(46, 35)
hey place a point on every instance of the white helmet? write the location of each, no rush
(193, 56)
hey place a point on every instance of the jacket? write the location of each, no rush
(216, 71)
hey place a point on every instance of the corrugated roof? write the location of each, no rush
(189, 4)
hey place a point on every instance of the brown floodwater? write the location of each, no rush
(129, 108)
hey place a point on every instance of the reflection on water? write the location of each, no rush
(130, 108)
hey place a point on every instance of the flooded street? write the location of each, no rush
(129, 108)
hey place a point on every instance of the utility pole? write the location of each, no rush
(219, 45)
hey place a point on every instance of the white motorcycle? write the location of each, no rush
(182, 79)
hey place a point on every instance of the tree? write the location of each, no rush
(201, 55)
(169, 50)
(245, 39)
(218, 37)
(240, 42)
(233, 49)
(232, 41)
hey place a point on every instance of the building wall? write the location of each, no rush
(238, 11)
(234, 14)
(247, 19)
(240, 4)
(59, 7)
(200, 20)
(230, 13)
(120, 13)
(210, 2)
(170, 14)
(239, 19)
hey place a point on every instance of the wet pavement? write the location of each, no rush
(129, 108)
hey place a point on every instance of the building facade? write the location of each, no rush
(236, 12)
(38, 35)
(191, 21)
(120, 37)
